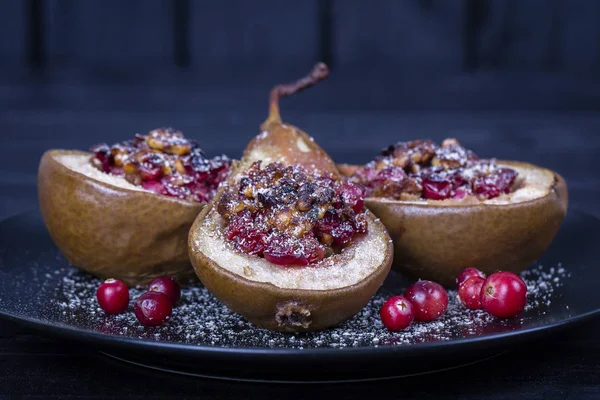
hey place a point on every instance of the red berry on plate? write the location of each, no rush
(504, 295)
(397, 313)
(469, 292)
(167, 286)
(113, 296)
(467, 273)
(153, 308)
(428, 298)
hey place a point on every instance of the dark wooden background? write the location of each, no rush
(512, 79)
(396, 55)
(443, 36)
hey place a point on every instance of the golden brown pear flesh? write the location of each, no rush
(289, 299)
(109, 229)
(435, 239)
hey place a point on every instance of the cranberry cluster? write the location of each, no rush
(152, 308)
(291, 217)
(164, 162)
(421, 169)
(422, 301)
(502, 294)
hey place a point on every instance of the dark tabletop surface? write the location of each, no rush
(37, 117)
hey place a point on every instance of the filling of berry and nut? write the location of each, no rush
(420, 169)
(164, 162)
(291, 217)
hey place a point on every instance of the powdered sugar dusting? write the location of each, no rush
(81, 163)
(542, 284)
(200, 319)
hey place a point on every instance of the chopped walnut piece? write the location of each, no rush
(179, 166)
(450, 142)
(169, 141)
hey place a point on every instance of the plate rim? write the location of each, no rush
(133, 343)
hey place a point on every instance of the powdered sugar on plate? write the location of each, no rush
(200, 319)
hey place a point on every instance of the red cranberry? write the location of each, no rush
(467, 273)
(102, 154)
(390, 174)
(389, 181)
(429, 299)
(436, 190)
(246, 234)
(153, 308)
(460, 194)
(494, 184)
(218, 174)
(327, 224)
(151, 167)
(283, 250)
(154, 186)
(504, 295)
(174, 190)
(201, 192)
(113, 296)
(281, 258)
(366, 175)
(440, 186)
(469, 292)
(506, 178)
(343, 233)
(168, 286)
(251, 241)
(397, 313)
(352, 195)
(149, 172)
(199, 176)
(485, 189)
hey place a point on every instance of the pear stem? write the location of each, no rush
(319, 72)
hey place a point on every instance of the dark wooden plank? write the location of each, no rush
(518, 35)
(581, 37)
(538, 35)
(13, 25)
(326, 39)
(399, 34)
(238, 34)
(111, 35)
(476, 12)
(36, 54)
(435, 38)
(181, 35)
(378, 89)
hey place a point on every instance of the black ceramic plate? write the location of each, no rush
(39, 288)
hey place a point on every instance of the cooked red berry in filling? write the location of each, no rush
(290, 217)
(421, 169)
(164, 162)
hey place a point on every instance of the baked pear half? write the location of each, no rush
(124, 211)
(446, 209)
(286, 243)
